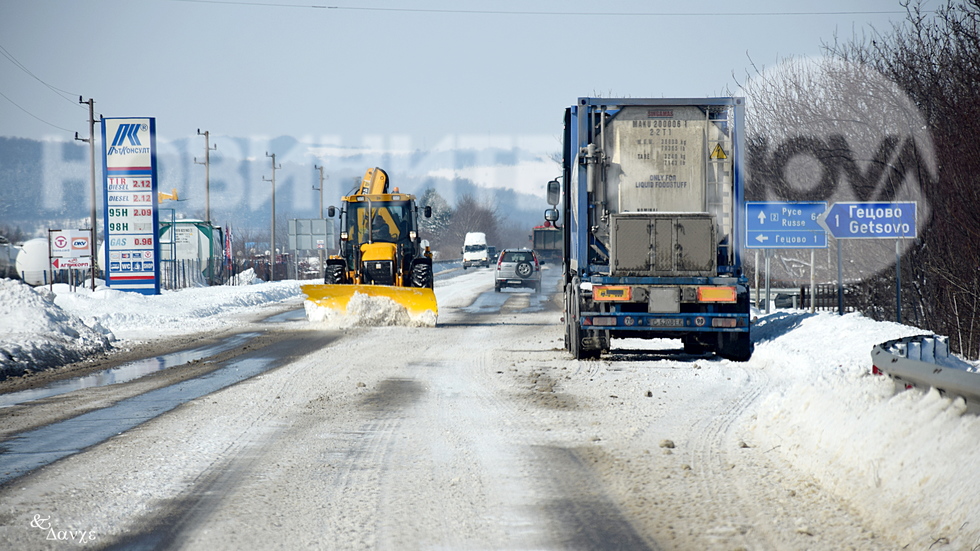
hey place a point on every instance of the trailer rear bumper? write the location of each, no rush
(666, 323)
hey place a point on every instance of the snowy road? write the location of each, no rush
(480, 433)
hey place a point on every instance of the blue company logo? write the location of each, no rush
(128, 132)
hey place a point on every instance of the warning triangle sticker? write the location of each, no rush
(718, 152)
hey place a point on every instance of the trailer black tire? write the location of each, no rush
(575, 339)
(573, 331)
(694, 346)
(735, 346)
(573, 334)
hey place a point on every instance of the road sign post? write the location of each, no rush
(784, 225)
(70, 250)
(872, 220)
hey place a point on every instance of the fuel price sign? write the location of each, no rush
(129, 162)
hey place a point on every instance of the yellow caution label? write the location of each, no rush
(717, 294)
(718, 152)
(624, 293)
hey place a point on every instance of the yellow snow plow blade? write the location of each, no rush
(367, 304)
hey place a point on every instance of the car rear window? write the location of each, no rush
(517, 256)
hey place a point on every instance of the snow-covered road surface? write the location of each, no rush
(481, 433)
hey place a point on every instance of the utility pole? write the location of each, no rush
(207, 173)
(320, 189)
(321, 253)
(91, 159)
(272, 244)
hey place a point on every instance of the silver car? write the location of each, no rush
(517, 268)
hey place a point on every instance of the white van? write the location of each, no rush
(475, 251)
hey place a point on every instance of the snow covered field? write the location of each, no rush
(905, 461)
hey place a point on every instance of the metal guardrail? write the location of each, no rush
(924, 361)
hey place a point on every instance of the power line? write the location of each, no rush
(572, 13)
(22, 67)
(32, 114)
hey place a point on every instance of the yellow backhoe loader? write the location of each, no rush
(381, 253)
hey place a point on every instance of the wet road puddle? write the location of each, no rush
(32, 449)
(126, 372)
(506, 302)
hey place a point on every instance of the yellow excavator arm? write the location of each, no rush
(375, 182)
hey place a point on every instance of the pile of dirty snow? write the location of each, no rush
(36, 333)
(246, 277)
(367, 311)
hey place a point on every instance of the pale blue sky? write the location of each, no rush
(417, 69)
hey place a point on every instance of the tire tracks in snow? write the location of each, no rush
(712, 463)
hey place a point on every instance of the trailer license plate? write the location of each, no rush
(665, 322)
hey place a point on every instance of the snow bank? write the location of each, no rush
(40, 329)
(892, 455)
(181, 312)
(36, 333)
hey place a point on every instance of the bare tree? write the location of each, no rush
(935, 60)
(470, 215)
(435, 227)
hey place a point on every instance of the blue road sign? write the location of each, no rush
(871, 220)
(782, 225)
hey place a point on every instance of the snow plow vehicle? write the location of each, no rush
(381, 253)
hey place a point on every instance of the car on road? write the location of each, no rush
(517, 268)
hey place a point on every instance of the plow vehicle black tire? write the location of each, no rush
(422, 275)
(334, 274)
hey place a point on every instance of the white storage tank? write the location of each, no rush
(33, 262)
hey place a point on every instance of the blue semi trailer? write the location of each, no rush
(650, 208)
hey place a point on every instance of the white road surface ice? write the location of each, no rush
(482, 433)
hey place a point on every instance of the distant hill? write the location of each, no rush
(45, 184)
